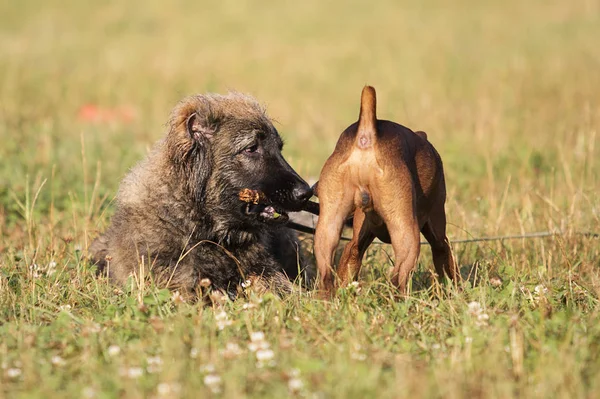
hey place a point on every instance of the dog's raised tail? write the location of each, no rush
(367, 121)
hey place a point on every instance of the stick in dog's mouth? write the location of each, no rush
(252, 196)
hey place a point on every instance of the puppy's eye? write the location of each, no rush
(252, 149)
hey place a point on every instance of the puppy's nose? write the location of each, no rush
(302, 193)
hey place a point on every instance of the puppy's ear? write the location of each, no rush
(421, 134)
(201, 128)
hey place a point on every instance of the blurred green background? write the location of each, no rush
(502, 88)
(508, 92)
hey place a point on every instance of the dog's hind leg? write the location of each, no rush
(333, 213)
(434, 231)
(405, 241)
(395, 205)
(404, 234)
(351, 260)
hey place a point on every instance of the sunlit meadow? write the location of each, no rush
(508, 92)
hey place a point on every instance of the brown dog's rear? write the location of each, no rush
(392, 179)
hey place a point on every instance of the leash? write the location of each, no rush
(539, 234)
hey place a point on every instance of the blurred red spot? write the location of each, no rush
(95, 114)
(89, 113)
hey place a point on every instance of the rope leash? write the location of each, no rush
(539, 234)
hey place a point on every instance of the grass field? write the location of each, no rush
(509, 93)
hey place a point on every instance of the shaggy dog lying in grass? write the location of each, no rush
(179, 213)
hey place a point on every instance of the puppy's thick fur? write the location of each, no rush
(392, 179)
(178, 214)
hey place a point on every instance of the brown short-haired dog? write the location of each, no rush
(393, 180)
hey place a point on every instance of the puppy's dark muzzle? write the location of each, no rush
(302, 193)
(286, 188)
(298, 197)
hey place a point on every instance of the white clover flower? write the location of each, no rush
(34, 269)
(474, 307)
(51, 268)
(212, 379)
(358, 356)
(539, 291)
(165, 389)
(57, 361)
(154, 360)
(13, 372)
(495, 282)
(194, 353)
(355, 286)
(177, 298)
(260, 345)
(154, 364)
(233, 347)
(220, 316)
(218, 297)
(222, 324)
(295, 385)
(88, 393)
(264, 355)
(222, 320)
(65, 307)
(93, 328)
(132, 372)
(294, 373)
(232, 350)
(258, 342)
(257, 336)
(113, 350)
(246, 284)
(213, 383)
(208, 368)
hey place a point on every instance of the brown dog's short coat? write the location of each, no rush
(392, 179)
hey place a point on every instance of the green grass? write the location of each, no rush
(509, 93)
